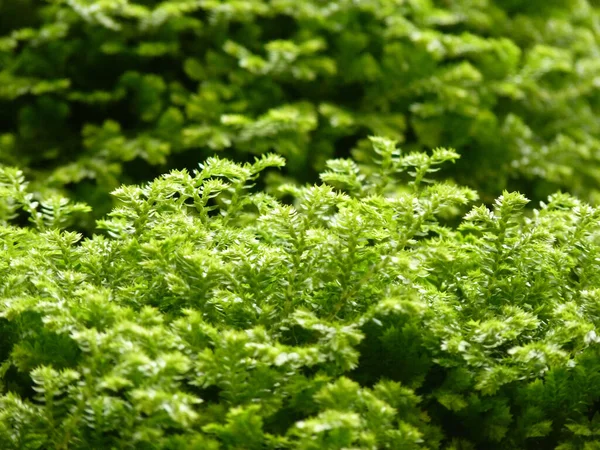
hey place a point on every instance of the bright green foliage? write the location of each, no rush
(364, 315)
(98, 93)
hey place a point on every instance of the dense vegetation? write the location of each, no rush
(98, 93)
(311, 287)
(210, 317)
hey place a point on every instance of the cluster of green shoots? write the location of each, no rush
(378, 309)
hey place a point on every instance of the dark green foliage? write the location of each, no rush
(211, 316)
(98, 93)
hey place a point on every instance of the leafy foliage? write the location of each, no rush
(94, 94)
(364, 314)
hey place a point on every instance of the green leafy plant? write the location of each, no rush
(363, 313)
(97, 94)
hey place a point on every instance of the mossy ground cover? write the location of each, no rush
(203, 247)
(94, 94)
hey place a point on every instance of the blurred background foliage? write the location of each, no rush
(96, 93)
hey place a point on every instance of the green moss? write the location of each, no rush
(212, 315)
(96, 94)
